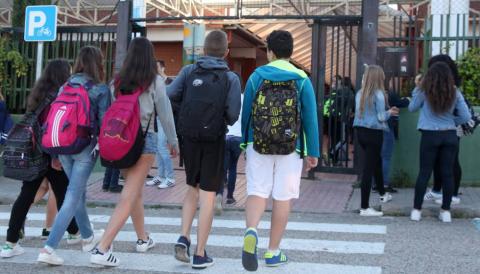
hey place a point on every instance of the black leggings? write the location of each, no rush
(59, 182)
(457, 175)
(370, 141)
(440, 146)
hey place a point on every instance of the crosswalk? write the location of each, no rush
(320, 240)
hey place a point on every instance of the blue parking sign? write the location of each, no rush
(40, 23)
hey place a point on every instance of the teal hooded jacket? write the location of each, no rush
(282, 70)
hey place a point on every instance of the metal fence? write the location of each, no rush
(69, 42)
(416, 39)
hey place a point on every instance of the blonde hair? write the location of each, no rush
(373, 80)
(2, 98)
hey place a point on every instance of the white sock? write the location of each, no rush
(275, 252)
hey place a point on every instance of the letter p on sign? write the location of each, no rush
(40, 23)
(37, 19)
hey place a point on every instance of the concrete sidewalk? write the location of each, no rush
(402, 203)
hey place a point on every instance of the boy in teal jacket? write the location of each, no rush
(276, 174)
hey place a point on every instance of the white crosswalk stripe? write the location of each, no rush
(166, 263)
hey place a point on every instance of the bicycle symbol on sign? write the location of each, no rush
(44, 31)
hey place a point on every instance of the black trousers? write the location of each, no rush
(370, 141)
(441, 146)
(59, 182)
(457, 175)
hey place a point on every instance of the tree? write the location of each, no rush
(11, 61)
(18, 16)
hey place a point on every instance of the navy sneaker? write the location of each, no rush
(272, 259)
(182, 250)
(249, 252)
(201, 262)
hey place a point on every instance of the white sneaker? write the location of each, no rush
(9, 250)
(455, 201)
(89, 244)
(370, 212)
(155, 181)
(218, 205)
(166, 183)
(387, 197)
(144, 246)
(430, 196)
(49, 258)
(416, 215)
(73, 239)
(106, 259)
(445, 216)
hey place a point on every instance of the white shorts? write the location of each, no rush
(276, 175)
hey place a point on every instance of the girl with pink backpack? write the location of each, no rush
(129, 126)
(71, 131)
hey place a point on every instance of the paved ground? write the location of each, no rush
(402, 203)
(315, 243)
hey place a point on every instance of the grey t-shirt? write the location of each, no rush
(156, 95)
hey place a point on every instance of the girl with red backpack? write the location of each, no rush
(136, 87)
(71, 131)
(55, 74)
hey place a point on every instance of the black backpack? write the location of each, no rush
(202, 113)
(276, 118)
(23, 158)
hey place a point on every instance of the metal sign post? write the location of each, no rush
(40, 26)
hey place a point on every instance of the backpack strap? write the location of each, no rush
(45, 102)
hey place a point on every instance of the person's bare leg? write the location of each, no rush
(42, 190)
(189, 209)
(205, 218)
(138, 217)
(134, 181)
(280, 213)
(254, 209)
(51, 209)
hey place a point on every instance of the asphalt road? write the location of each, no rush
(315, 243)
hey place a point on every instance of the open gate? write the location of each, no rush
(340, 44)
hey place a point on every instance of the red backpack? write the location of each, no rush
(68, 128)
(121, 138)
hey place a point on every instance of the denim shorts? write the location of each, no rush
(150, 146)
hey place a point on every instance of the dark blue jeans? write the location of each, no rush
(110, 180)
(232, 153)
(387, 153)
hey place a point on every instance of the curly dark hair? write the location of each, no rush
(55, 74)
(439, 87)
(451, 64)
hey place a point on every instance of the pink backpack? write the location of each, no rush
(121, 138)
(68, 128)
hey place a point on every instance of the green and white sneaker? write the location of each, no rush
(73, 239)
(9, 250)
(275, 258)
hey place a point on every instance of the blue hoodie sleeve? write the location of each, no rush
(309, 118)
(248, 98)
(175, 89)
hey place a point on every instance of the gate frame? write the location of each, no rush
(367, 50)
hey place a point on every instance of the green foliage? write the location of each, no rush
(10, 58)
(18, 16)
(469, 69)
(401, 179)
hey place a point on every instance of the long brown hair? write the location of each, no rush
(90, 62)
(139, 67)
(373, 80)
(439, 87)
(53, 76)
